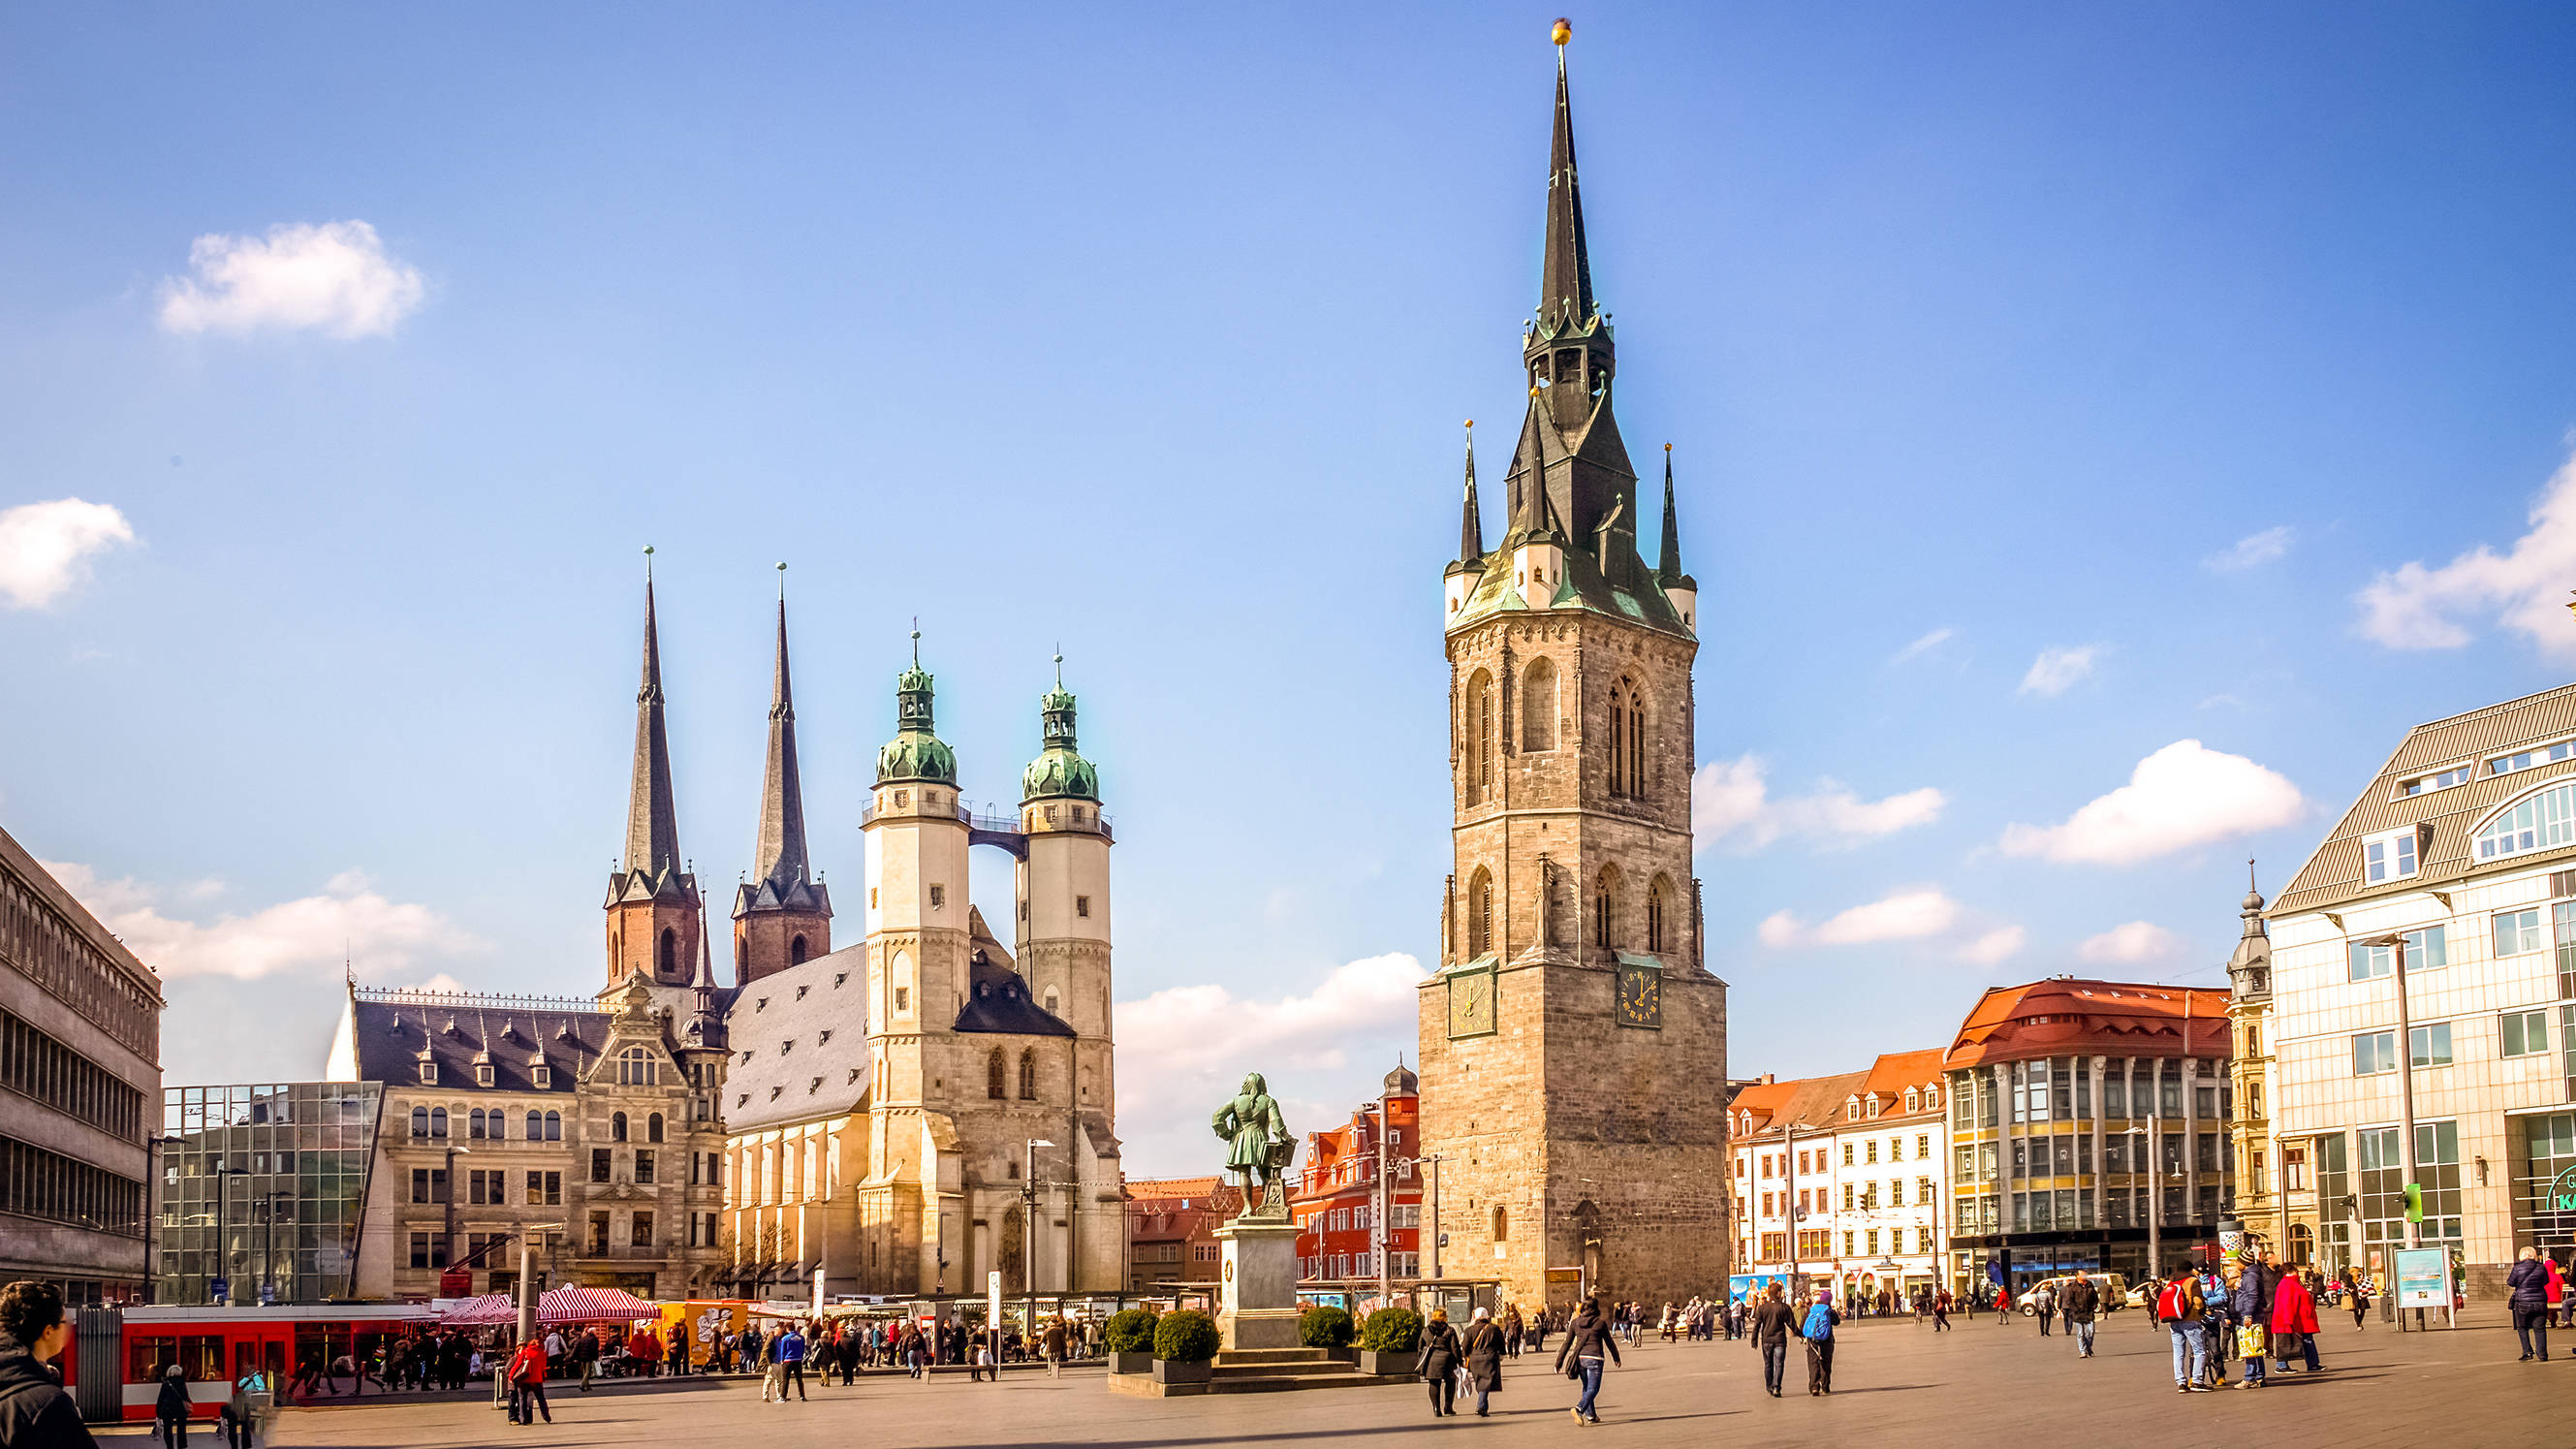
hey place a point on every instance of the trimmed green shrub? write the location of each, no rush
(1187, 1336)
(1129, 1331)
(1324, 1326)
(1392, 1330)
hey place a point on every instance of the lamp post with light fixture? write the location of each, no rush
(2396, 942)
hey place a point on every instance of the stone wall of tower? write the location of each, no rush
(634, 934)
(764, 941)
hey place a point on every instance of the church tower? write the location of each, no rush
(1573, 1044)
(654, 917)
(781, 917)
(1064, 896)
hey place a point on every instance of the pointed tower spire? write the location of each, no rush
(2252, 908)
(1668, 568)
(1565, 278)
(780, 859)
(1471, 523)
(652, 826)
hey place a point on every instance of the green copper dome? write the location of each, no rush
(1059, 772)
(915, 753)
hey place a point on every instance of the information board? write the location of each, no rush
(2423, 1278)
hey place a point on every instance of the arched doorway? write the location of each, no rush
(2303, 1244)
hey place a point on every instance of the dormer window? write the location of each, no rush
(429, 1073)
(542, 1075)
(821, 1037)
(2394, 856)
(2532, 758)
(482, 1074)
(840, 976)
(2441, 780)
(760, 1005)
(800, 992)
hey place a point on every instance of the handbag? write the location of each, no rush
(2250, 1341)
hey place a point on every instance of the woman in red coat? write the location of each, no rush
(2294, 1320)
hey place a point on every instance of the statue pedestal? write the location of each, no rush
(1257, 1296)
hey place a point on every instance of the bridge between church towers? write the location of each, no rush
(1005, 831)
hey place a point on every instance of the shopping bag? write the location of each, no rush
(2250, 1341)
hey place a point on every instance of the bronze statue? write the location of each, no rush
(1257, 1142)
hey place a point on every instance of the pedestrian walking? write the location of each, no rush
(170, 1408)
(1818, 1331)
(2527, 1288)
(1769, 1328)
(2082, 1301)
(527, 1380)
(2043, 1306)
(789, 1350)
(1591, 1344)
(1941, 1311)
(2178, 1308)
(2294, 1320)
(1051, 1347)
(1485, 1349)
(2252, 1301)
(1436, 1364)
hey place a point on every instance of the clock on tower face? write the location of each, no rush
(1471, 1004)
(1641, 996)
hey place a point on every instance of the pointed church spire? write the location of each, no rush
(780, 858)
(1471, 523)
(2252, 908)
(1565, 278)
(652, 827)
(1668, 567)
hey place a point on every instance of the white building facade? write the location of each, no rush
(1839, 1180)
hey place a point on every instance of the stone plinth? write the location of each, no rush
(1257, 1295)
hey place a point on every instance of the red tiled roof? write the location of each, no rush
(2064, 1015)
(1146, 1189)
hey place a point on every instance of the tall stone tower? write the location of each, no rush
(782, 916)
(1573, 1044)
(654, 917)
(1063, 890)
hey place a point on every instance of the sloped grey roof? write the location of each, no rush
(389, 1036)
(800, 1043)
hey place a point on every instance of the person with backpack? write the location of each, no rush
(2178, 1308)
(2043, 1306)
(526, 1373)
(1818, 1331)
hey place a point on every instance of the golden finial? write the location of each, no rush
(1564, 31)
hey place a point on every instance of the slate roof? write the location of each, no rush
(388, 1029)
(800, 1043)
(2448, 817)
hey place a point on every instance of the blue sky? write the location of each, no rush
(2140, 352)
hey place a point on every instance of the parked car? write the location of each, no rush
(2115, 1291)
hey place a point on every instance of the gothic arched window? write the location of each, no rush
(653, 1128)
(1480, 913)
(1481, 728)
(1658, 902)
(1627, 739)
(1502, 1224)
(796, 952)
(616, 1126)
(1605, 907)
(996, 1084)
(438, 1121)
(420, 1121)
(1028, 1074)
(669, 962)
(474, 1125)
(1538, 705)
(536, 1126)
(554, 1126)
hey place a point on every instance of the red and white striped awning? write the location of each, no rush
(569, 1304)
(480, 1312)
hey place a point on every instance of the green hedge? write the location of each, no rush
(1392, 1330)
(1187, 1336)
(1131, 1331)
(1324, 1326)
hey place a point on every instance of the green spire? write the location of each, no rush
(915, 752)
(1059, 771)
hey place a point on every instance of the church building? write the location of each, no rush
(1573, 1043)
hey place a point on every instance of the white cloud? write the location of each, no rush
(2056, 671)
(45, 547)
(304, 937)
(2251, 551)
(335, 278)
(1907, 914)
(2136, 941)
(1183, 1049)
(1731, 803)
(2524, 588)
(1924, 645)
(2181, 796)
(1993, 947)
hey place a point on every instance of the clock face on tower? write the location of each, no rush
(1471, 1004)
(1641, 996)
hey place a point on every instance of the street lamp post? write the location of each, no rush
(1434, 1160)
(2396, 942)
(224, 1226)
(1029, 1252)
(528, 1299)
(1385, 1236)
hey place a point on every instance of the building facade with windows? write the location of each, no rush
(2463, 849)
(2086, 1117)
(1838, 1181)
(264, 1190)
(1171, 1231)
(1338, 1193)
(80, 1076)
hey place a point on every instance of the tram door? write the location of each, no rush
(262, 1351)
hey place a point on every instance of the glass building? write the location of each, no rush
(263, 1190)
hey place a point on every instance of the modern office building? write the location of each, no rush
(80, 1067)
(2462, 848)
(264, 1191)
(2087, 1118)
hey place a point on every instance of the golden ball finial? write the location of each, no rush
(1471, 422)
(1564, 30)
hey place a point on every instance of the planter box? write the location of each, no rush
(1131, 1363)
(1387, 1364)
(1168, 1371)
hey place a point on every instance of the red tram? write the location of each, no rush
(216, 1346)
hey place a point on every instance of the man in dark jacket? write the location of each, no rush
(2081, 1299)
(2528, 1285)
(35, 1413)
(1769, 1328)
(1485, 1348)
